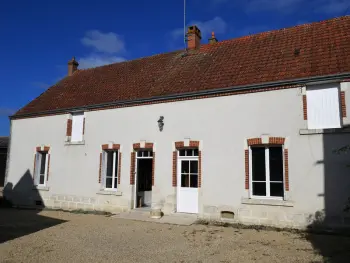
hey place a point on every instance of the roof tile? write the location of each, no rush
(265, 57)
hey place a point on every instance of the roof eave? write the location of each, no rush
(299, 81)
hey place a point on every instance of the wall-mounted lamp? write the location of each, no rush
(161, 123)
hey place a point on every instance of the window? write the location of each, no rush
(323, 109)
(188, 152)
(111, 169)
(189, 167)
(77, 127)
(41, 163)
(267, 171)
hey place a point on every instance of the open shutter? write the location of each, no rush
(119, 166)
(34, 166)
(36, 171)
(69, 128)
(100, 170)
(48, 166)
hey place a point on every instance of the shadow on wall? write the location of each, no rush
(334, 218)
(3, 158)
(15, 223)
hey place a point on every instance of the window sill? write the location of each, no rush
(323, 131)
(75, 143)
(270, 202)
(41, 188)
(109, 192)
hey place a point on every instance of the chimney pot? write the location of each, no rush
(193, 37)
(72, 66)
(213, 39)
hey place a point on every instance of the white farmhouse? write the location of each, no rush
(245, 127)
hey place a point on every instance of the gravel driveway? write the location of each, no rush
(52, 236)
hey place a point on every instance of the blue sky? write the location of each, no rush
(38, 37)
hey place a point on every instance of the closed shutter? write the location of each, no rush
(323, 110)
(77, 127)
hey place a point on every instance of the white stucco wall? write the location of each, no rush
(222, 124)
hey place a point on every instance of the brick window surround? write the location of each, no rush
(42, 149)
(271, 141)
(105, 147)
(181, 145)
(342, 103)
(136, 147)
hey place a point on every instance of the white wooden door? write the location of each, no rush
(187, 181)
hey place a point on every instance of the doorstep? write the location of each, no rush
(173, 219)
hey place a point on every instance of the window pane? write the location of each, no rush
(185, 180)
(189, 152)
(43, 162)
(115, 182)
(258, 164)
(109, 182)
(194, 180)
(195, 152)
(42, 179)
(194, 166)
(259, 189)
(150, 153)
(276, 164)
(185, 166)
(139, 154)
(276, 189)
(109, 170)
(182, 152)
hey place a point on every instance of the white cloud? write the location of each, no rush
(95, 60)
(107, 48)
(104, 42)
(217, 24)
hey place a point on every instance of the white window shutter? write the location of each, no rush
(103, 170)
(323, 110)
(37, 168)
(77, 127)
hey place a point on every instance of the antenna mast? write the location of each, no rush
(185, 38)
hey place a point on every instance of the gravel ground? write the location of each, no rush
(52, 236)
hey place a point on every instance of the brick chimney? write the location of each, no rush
(72, 66)
(213, 39)
(193, 37)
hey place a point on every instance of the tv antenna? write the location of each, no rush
(185, 37)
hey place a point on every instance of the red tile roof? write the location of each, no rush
(323, 47)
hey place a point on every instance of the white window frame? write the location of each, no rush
(81, 136)
(114, 171)
(179, 164)
(267, 173)
(38, 160)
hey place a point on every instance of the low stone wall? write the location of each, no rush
(98, 203)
